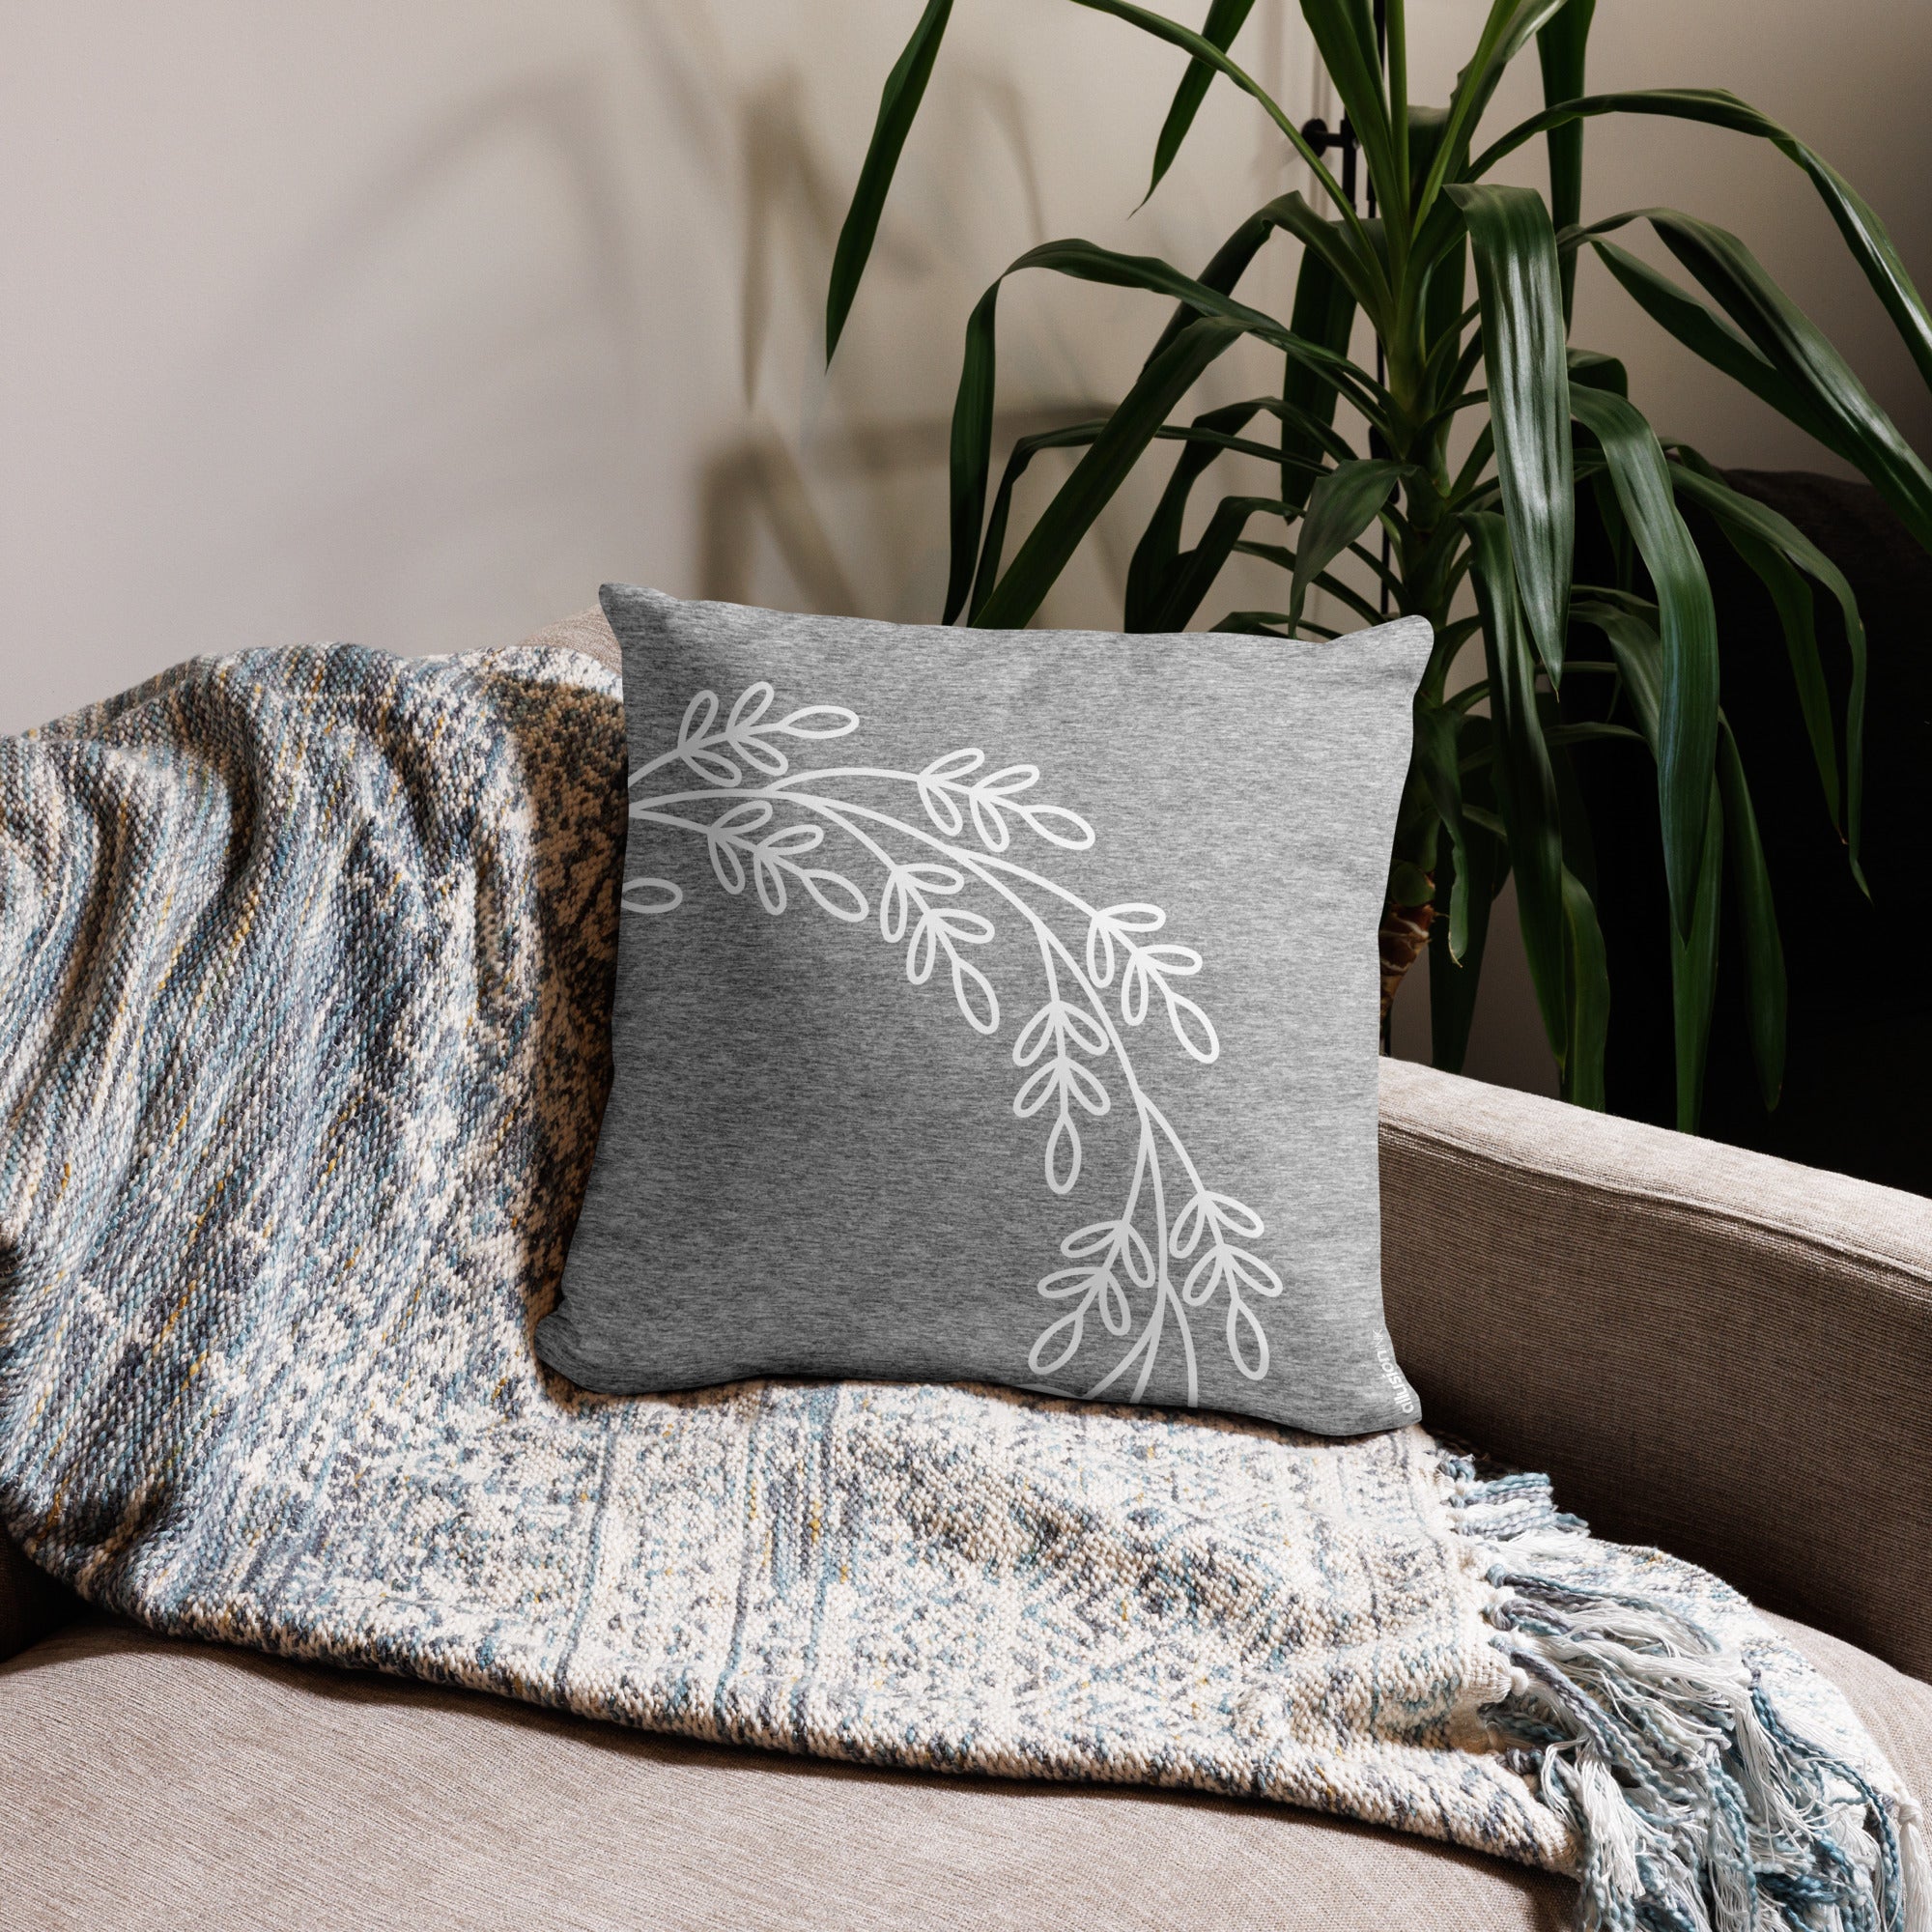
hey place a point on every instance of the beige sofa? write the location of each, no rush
(1709, 1349)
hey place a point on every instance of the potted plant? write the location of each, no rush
(1545, 663)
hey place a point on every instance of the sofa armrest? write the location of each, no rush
(31, 1602)
(1709, 1351)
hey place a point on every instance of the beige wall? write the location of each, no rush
(412, 321)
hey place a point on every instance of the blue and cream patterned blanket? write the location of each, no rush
(304, 977)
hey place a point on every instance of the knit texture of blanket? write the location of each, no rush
(306, 962)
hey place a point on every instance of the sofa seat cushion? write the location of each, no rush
(147, 1782)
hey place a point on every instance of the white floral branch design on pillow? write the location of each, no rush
(926, 867)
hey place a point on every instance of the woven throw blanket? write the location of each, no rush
(306, 962)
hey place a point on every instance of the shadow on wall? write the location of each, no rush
(757, 495)
(507, 432)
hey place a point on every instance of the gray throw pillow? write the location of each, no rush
(997, 1005)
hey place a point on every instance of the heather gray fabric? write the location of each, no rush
(997, 1005)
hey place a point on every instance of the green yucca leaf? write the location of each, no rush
(971, 448)
(1209, 55)
(1255, 624)
(1195, 572)
(1798, 350)
(1693, 969)
(1073, 436)
(1561, 46)
(972, 437)
(1686, 726)
(1523, 354)
(1345, 37)
(1356, 265)
(898, 104)
(1207, 436)
(1865, 234)
(1225, 19)
(1588, 370)
(1693, 958)
(1085, 261)
(1696, 482)
(1054, 538)
(1470, 874)
(1524, 780)
(1504, 35)
(1586, 987)
(1797, 617)
(1766, 991)
(1438, 761)
(1283, 558)
(1341, 504)
(1710, 336)
(1157, 556)
(1325, 313)
(1327, 264)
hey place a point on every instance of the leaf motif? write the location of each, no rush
(1092, 1240)
(1036, 1034)
(1099, 953)
(827, 887)
(973, 928)
(989, 823)
(894, 904)
(754, 701)
(1204, 1277)
(671, 896)
(1189, 1225)
(1039, 1088)
(1062, 1145)
(1178, 960)
(1193, 1029)
(977, 1001)
(1237, 1215)
(750, 816)
(699, 717)
(923, 950)
(1135, 916)
(931, 878)
(817, 721)
(771, 883)
(1014, 779)
(725, 863)
(1086, 1032)
(715, 766)
(940, 807)
(1134, 991)
(1254, 1273)
(1074, 1324)
(1086, 1087)
(1058, 826)
(1063, 1282)
(768, 758)
(794, 842)
(951, 765)
(1239, 1311)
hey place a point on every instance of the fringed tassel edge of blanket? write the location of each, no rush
(1697, 1805)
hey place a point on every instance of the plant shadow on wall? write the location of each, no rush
(1466, 288)
(761, 495)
